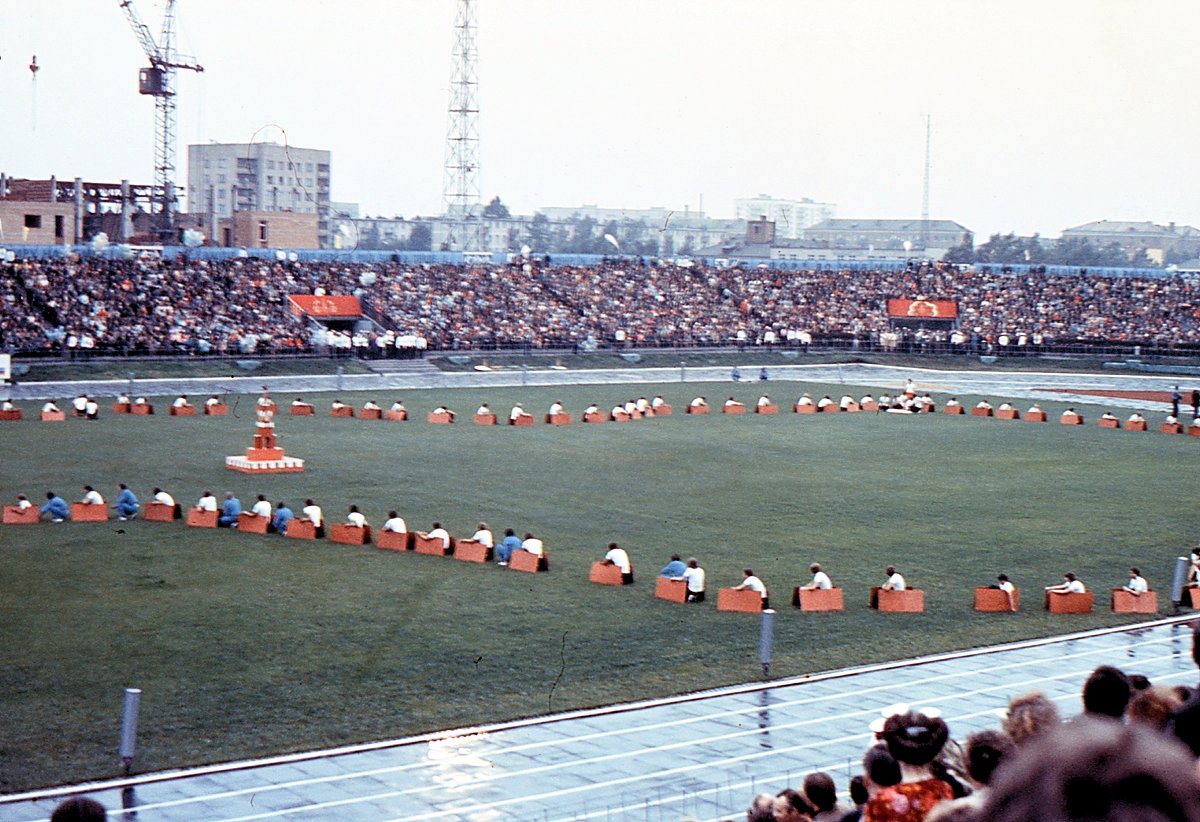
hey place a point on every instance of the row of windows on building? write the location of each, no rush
(309, 167)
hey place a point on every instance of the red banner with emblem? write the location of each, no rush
(932, 309)
(325, 306)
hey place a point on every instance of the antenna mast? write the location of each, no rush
(460, 186)
(925, 194)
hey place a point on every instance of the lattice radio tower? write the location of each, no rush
(460, 186)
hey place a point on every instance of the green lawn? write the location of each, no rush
(247, 645)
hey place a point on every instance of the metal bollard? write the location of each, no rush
(129, 720)
(1178, 580)
(765, 639)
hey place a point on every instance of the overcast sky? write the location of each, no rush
(1046, 114)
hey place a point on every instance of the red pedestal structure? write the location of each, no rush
(440, 419)
(485, 419)
(264, 456)
(470, 550)
(181, 411)
(1008, 414)
(199, 518)
(21, 516)
(818, 599)
(697, 409)
(908, 601)
(1035, 416)
(991, 600)
(733, 599)
(674, 590)
(217, 409)
(1070, 603)
(603, 574)
(348, 534)
(161, 512)
(953, 409)
(870, 405)
(527, 561)
(394, 540)
(770, 408)
(1123, 602)
(88, 512)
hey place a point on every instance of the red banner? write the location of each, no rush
(325, 306)
(933, 309)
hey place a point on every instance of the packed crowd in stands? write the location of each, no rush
(240, 306)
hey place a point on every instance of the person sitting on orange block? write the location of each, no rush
(438, 532)
(694, 575)
(163, 497)
(1108, 415)
(395, 523)
(91, 496)
(23, 502)
(354, 518)
(658, 402)
(824, 403)
(441, 409)
(630, 408)
(483, 409)
(398, 406)
(208, 502)
(591, 409)
(337, 405)
(753, 583)
(298, 402)
(732, 403)
(866, 399)
(314, 514)
(617, 411)
(1070, 412)
(517, 412)
(261, 507)
(78, 405)
(619, 557)
(211, 401)
(181, 401)
(763, 401)
(123, 399)
(820, 580)
(805, 399)
(1034, 409)
(370, 405)
(49, 407)
(984, 404)
(533, 545)
(885, 401)
(895, 581)
(698, 402)
(1003, 584)
(7, 405)
(1136, 417)
(845, 402)
(483, 535)
(556, 407)
(1137, 584)
(91, 410)
(1006, 406)
(644, 406)
(1069, 585)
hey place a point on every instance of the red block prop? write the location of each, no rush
(674, 590)
(603, 574)
(528, 562)
(425, 544)
(1070, 603)
(181, 411)
(1124, 602)
(1008, 414)
(469, 550)
(732, 599)
(218, 409)
(558, 419)
(697, 409)
(909, 601)
(818, 599)
(594, 416)
(394, 540)
(953, 409)
(301, 529)
(371, 414)
(395, 416)
(20, 516)
(1035, 416)
(344, 411)
(199, 518)
(252, 523)
(53, 416)
(348, 534)
(485, 419)
(766, 409)
(733, 409)
(993, 600)
(86, 512)
(302, 410)
(440, 419)
(161, 512)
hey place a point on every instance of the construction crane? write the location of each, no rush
(158, 81)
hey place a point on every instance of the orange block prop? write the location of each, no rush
(20, 516)
(594, 416)
(732, 599)
(181, 411)
(120, 408)
(395, 416)
(870, 405)
(663, 410)
(1008, 414)
(141, 409)
(394, 540)
(469, 550)
(852, 407)
(604, 574)
(910, 601)
(1193, 596)
(12, 414)
(160, 512)
(1135, 425)
(766, 409)
(832, 408)
(558, 419)
(348, 534)
(371, 414)
(1124, 602)
(85, 512)
(674, 590)
(485, 419)
(252, 523)
(301, 529)
(199, 518)
(818, 599)
(425, 544)
(1070, 603)
(981, 412)
(302, 410)
(733, 409)
(524, 419)
(1193, 430)
(219, 409)
(528, 562)
(1107, 423)
(1170, 428)
(1035, 416)
(1071, 419)
(697, 409)
(344, 411)
(620, 416)
(807, 408)
(53, 416)
(440, 419)
(953, 409)
(992, 600)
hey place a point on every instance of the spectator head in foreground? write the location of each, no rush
(79, 809)
(1106, 692)
(1029, 716)
(1097, 770)
(915, 739)
(791, 806)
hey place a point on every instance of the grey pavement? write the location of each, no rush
(700, 756)
(937, 381)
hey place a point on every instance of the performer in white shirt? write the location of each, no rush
(181, 401)
(619, 557)
(555, 408)
(820, 579)
(314, 514)
(395, 523)
(753, 583)
(353, 517)
(694, 576)
(516, 413)
(1137, 584)
(763, 400)
(658, 402)
(49, 407)
(533, 545)
(484, 410)
(80, 405)
(895, 582)
(162, 496)
(438, 532)
(483, 535)
(1010, 590)
(23, 502)
(91, 496)
(370, 405)
(1069, 585)
(211, 401)
(208, 502)
(92, 410)
(261, 507)
(398, 406)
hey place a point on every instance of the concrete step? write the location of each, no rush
(401, 366)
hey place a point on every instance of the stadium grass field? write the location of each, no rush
(248, 645)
